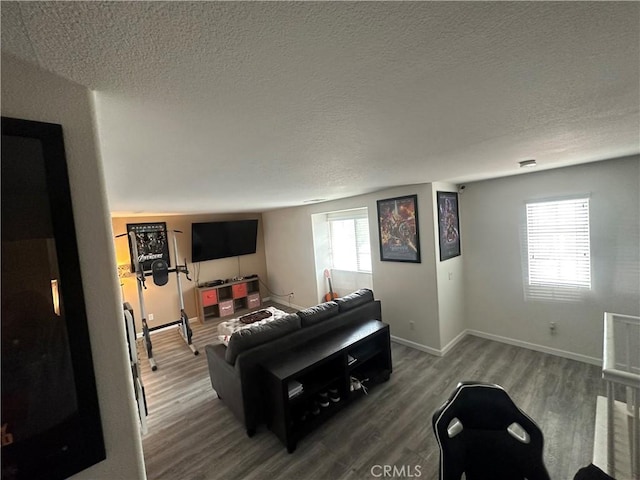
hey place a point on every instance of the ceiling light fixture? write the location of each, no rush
(528, 163)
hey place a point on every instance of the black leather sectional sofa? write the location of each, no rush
(236, 371)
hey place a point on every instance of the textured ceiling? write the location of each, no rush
(226, 107)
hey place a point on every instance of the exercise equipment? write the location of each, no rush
(138, 387)
(160, 273)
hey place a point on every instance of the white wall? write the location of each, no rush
(482, 291)
(493, 216)
(322, 253)
(407, 290)
(450, 281)
(33, 94)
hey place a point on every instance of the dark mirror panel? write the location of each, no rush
(50, 418)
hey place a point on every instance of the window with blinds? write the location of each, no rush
(558, 243)
(350, 248)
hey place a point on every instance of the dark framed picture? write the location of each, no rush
(51, 426)
(398, 229)
(448, 225)
(152, 243)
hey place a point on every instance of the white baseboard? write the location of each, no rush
(417, 346)
(454, 342)
(497, 338)
(538, 348)
(431, 350)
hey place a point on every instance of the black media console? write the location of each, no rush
(309, 384)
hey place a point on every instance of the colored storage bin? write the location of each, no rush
(226, 308)
(253, 300)
(209, 297)
(239, 290)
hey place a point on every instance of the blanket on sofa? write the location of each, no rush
(228, 328)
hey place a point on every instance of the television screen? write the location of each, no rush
(213, 240)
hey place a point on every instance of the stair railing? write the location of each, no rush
(622, 368)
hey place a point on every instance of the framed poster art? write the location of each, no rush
(448, 225)
(152, 243)
(398, 229)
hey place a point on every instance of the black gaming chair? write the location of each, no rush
(482, 433)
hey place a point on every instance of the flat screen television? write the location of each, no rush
(213, 240)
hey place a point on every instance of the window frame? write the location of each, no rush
(581, 278)
(355, 214)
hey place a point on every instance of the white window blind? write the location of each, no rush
(349, 240)
(558, 243)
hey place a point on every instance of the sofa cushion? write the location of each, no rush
(354, 299)
(317, 313)
(258, 334)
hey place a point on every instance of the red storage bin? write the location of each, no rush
(239, 290)
(209, 297)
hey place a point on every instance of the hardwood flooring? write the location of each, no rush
(192, 434)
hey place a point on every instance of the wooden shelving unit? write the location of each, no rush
(228, 298)
(321, 366)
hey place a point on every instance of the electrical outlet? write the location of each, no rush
(150, 316)
(552, 328)
(412, 325)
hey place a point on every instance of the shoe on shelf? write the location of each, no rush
(334, 396)
(315, 408)
(323, 399)
(355, 384)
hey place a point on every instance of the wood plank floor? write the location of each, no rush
(192, 435)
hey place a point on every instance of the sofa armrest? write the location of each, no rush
(225, 379)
